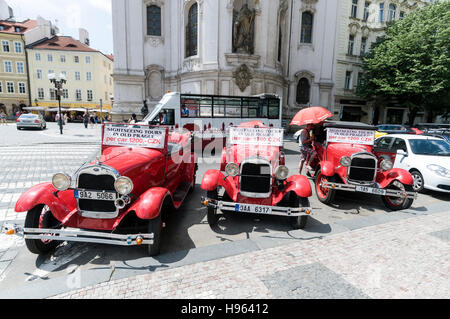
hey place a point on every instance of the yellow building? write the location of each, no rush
(14, 93)
(87, 71)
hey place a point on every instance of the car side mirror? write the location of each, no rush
(402, 152)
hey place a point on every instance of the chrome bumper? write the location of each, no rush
(381, 192)
(275, 210)
(78, 235)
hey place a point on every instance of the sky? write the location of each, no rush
(69, 15)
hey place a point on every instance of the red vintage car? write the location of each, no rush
(253, 178)
(347, 161)
(121, 198)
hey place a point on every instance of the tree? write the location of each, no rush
(411, 63)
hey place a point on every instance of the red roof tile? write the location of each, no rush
(9, 26)
(64, 43)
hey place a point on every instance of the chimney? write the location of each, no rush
(83, 36)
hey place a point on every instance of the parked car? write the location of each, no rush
(441, 133)
(347, 162)
(253, 178)
(121, 198)
(398, 129)
(427, 158)
(31, 121)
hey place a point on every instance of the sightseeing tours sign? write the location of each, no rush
(256, 136)
(351, 136)
(134, 135)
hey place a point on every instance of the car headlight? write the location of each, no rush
(232, 169)
(61, 181)
(281, 172)
(345, 161)
(439, 170)
(123, 185)
(386, 165)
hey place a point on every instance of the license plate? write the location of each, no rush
(83, 194)
(370, 190)
(256, 209)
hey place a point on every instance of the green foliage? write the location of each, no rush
(412, 61)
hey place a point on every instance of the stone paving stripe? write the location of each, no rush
(9, 255)
(312, 281)
(442, 234)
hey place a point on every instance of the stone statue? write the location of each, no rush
(243, 31)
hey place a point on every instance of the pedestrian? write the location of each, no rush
(133, 119)
(3, 118)
(86, 119)
(96, 119)
(92, 120)
(307, 153)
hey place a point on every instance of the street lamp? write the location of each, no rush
(58, 81)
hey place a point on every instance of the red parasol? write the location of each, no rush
(311, 115)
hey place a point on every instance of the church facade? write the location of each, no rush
(226, 47)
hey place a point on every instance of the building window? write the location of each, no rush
(50, 72)
(366, 11)
(19, 66)
(52, 94)
(192, 31)
(360, 78)
(354, 11)
(351, 44)
(1, 87)
(89, 95)
(37, 56)
(307, 27)
(62, 58)
(78, 94)
(88, 76)
(65, 93)
(87, 59)
(22, 88)
(348, 80)
(49, 58)
(76, 59)
(40, 93)
(381, 14)
(402, 14)
(5, 45)
(64, 73)
(8, 66)
(363, 45)
(77, 76)
(391, 15)
(303, 91)
(18, 47)
(154, 20)
(17, 29)
(10, 87)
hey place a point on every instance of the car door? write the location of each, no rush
(400, 161)
(383, 147)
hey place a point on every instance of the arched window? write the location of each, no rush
(154, 20)
(392, 9)
(192, 31)
(303, 91)
(307, 26)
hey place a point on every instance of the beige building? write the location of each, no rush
(14, 85)
(361, 23)
(87, 71)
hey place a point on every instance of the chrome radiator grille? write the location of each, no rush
(363, 168)
(256, 178)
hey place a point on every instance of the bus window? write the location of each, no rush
(274, 109)
(165, 117)
(233, 107)
(219, 107)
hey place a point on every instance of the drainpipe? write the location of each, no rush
(28, 70)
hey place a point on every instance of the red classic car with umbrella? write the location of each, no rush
(253, 178)
(121, 198)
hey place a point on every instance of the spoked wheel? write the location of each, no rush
(154, 227)
(41, 217)
(325, 195)
(418, 182)
(299, 222)
(211, 214)
(398, 203)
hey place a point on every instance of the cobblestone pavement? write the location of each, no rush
(406, 258)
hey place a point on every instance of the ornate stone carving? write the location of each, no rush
(309, 5)
(242, 76)
(155, 41)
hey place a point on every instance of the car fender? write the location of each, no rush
(387, 177)
(298, 184)
(214, 178)
(60, 203)
(149, 204)
(327, 168)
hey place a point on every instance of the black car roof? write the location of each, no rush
(350, 125)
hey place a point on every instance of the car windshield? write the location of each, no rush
(28, 116)
(430, 147)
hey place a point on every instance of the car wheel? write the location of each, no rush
(211, 213)
(398, 203)
(418, 182)
(325, 195)
(40, 216)
(299, 222)
(154, 227)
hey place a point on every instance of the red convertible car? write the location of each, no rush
(347, 161)
(253, 178)
(121, 198)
